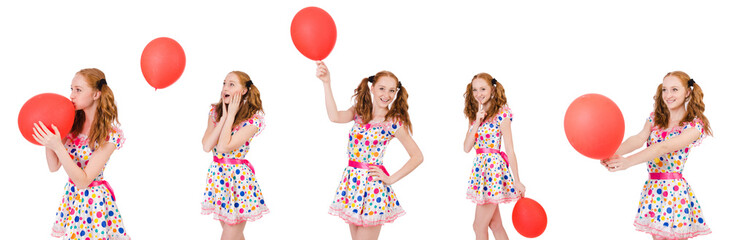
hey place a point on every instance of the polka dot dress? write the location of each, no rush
(668, 207)
(490, 180)
(232, 194)
(89, 213)
(359, 200)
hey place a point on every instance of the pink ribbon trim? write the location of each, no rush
(362, 165)
(234, 161)
(491, 150)
(99, 183)
(663, 176)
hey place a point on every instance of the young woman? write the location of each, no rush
(232, 193)
(365, 199)
(668, 207)
(491, 181)
(88, 208)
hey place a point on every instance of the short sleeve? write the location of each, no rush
(256, 120)
(357, 119)
(505, 113)
(650, 117)
(699, 125)
(394, 126)
(116, 137)
(212, 113)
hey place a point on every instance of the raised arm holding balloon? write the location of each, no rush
(365, 198)
(668, 207)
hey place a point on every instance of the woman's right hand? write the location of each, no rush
(225, 111)
(322, 72)
(480, 114)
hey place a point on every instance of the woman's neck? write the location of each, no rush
(676, 116)
(90, 113)
(379, 112)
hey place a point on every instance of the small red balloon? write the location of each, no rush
(314, 33)
(48, 108)
(529, 218)
(163, 61)
(594, 126)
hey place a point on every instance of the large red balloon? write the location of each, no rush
(529, 218)
(48, 108)
(594, 126)
(163, 61)
(314, 33)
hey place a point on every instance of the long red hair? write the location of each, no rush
(363, 101)
(694, 105)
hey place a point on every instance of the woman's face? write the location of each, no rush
(83, 95)
(481, 90)
(383, 91)
(674, 93)
(231, 86)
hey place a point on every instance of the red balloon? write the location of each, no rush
(594, 126)
(529, 218)
(314, 33)
(163, 61)
(48, 108)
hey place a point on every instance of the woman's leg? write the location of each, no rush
(481, 222)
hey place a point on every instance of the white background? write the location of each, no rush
(545, 53)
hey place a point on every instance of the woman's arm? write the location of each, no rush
(507, 140)
(53, 163)
(473, 129)
(416, 158)
(636, 141)
(617, 163)
(81, 177)
(212, 133)
(332, 112)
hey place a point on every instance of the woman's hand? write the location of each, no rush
(377, 174)
(616, 163)
(322, 72)
(234, 104)
(45, 137)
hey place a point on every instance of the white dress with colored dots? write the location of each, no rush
(89, 213)
(668, 207)
(359, 200)
(232, 193)
(491, 181)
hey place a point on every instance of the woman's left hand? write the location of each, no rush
(45, 137)
(234, 104)
(616, 163)
(377, 174)
(520, 189)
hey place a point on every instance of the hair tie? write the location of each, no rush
(249, 83)
(371, 79)
(691, 82)
(399, 84)
(493, 81)
(100, 83)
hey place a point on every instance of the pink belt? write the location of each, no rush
(234, 161)
(362, 165)
(663, 176)
(99, 183)
(491, 150)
